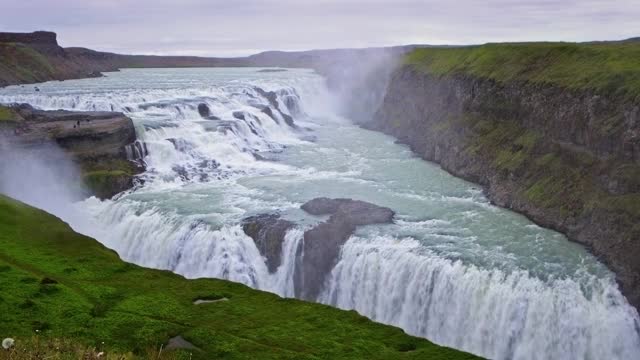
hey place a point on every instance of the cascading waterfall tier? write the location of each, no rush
(220, 145)
(398, 282)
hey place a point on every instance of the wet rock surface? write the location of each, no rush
(319, 250)
(272, 97)
(205, 112)
(268, 232)
(322, 243)
(355, 212)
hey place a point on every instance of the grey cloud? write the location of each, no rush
(227, 28)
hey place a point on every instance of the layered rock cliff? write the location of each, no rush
(557, 142)
(103, 145)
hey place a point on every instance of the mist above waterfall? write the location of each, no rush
(41, 176)
(358, 78)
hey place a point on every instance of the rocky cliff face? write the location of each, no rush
(98, 142)
(37, 37)
(568, 159)
(268, 232)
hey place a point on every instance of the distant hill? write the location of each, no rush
(37, 57)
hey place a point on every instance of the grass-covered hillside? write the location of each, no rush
(20, 63)
(62, 293)
(611, 68)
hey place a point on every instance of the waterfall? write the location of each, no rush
(398, 282)
(218, 147)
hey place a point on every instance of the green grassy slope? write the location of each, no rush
(611, 68)
(8, 116)
(20, 63)
(57, 284)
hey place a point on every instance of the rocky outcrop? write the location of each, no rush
(268, 232)
(36, 37)
(568, 159)
(272, 98)
(205, 112)
(322, 243)
(100, 143)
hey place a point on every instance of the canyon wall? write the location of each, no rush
(567, 156)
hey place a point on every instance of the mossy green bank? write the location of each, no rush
(609, 68)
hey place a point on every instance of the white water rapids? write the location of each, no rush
(452, 268)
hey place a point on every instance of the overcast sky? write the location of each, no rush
(241, 27)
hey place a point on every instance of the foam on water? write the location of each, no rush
(453, 268)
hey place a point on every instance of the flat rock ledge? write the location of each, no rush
(102, 144)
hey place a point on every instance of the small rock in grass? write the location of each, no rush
(8, 343)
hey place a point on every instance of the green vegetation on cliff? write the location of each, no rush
(59, 287)
(108, 177)
(602, 67)
(8, 115)
(22, 63)
(556, 178)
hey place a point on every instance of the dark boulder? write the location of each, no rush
(239, 115)
(268, 232)
(203, 110)
(322, 243)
